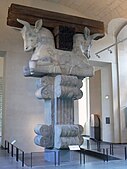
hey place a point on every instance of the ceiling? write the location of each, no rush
(102, 10)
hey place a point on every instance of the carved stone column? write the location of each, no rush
(59, 94)
(60, 81)
(66, 90)
(45, 90)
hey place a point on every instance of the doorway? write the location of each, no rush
(97, 100)
(95, 105)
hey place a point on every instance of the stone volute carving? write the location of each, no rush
(68, 87)
(45, 88)
(44, 135)
(61, 73)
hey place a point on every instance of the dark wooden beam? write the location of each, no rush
(62, 26)
(51, 19)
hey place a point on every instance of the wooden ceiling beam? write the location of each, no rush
(51, 19)
(63, 26)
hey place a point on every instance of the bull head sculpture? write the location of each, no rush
(86, 46)
(30, 34)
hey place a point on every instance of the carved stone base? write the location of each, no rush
(66, 135)
(44, 137)
(59, 93)
(59, 156)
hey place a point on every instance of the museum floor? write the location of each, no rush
(7, 162)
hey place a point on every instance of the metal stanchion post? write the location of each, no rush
(55, 158)
(17, 154)
(112, 149)
(11, 150)
(59, 158)
(125, 150)
(31, 160)
(104, 154)
(84, 160)
(8, 148)
(80, 157)
(107, 153)
(22, 158)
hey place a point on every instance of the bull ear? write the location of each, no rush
(97, 35)
(38, 25)
(25, 23)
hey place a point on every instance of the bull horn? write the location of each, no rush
(86, 33)
(25, 23)
(97, 36)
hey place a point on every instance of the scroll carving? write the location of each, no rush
(44, 135)
(68, 87)
(45, 88)
(68, 135)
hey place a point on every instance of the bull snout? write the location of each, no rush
(26, 48)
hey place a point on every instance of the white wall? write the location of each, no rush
(122, 70)
(107, 108)
(101, 101)
(109, 87)
(22, 111)
(114, 84)
(95, 93)
(1, 66)
(84, 107)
